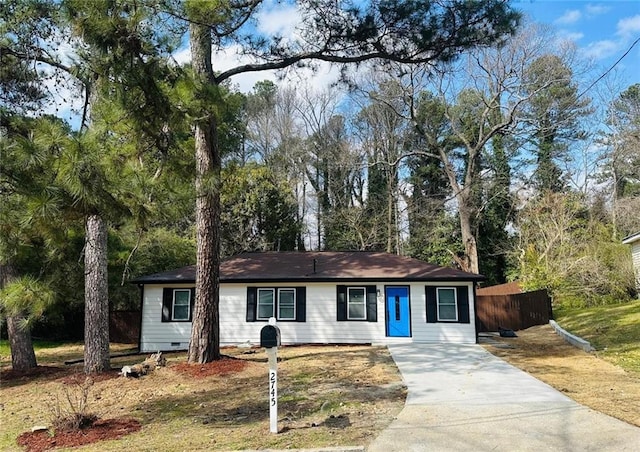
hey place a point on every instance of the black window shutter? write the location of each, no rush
(192, 303)
(167, 301)
(342, 303)
(301, 304)
(372, 303)
(463, 304)
(432, 305)
(251, 304)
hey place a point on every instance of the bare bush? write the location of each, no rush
(70, 410)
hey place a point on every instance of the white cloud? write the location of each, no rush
(279, 20)
(629, 26)
(182, 56)
(602, 49)
(596, 10)
(569, 17)
(574, 36)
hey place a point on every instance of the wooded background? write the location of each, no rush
(497, 150)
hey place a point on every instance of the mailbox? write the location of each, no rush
(270, 336)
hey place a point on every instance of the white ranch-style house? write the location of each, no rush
(316, 297)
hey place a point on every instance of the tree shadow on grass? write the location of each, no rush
(11, 378)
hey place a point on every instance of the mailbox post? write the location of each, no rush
(270, 339)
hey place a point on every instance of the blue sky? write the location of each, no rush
(602, 30)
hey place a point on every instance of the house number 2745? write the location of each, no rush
(273, 392)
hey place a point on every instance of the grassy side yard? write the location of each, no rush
(56, 353)
(614, 330)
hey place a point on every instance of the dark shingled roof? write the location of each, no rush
(317, 266)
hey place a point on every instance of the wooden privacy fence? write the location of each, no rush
(124, 326)
(513, 311)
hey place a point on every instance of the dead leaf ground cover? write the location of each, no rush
(328, 396)
(585, 377)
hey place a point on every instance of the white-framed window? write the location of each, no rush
(356, 303)
(181, 305)
(286, 304)
(447, 304)
(266, 303)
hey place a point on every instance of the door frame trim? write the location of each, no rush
(386, 308)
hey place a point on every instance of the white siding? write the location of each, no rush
(158, 335)
(321, 325)
(635, 256)
(459, 333)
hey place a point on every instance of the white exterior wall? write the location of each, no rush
(321, 325)
(635, 256)
(421, 331)
(156, 335)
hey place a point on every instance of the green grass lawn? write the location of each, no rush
(55, 353)
(614, 330)
(5, 350)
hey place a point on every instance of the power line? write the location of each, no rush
(610, 69)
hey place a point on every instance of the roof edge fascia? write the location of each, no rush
(317, 280)
(631, 239)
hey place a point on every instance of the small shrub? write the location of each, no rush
(70, 411)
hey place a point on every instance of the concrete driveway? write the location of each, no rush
(462, 398)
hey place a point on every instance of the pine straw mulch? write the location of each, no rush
(224, 366)
(100, 430)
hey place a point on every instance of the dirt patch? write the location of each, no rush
(100, 430)
(225, 366)
(12, 377)
(583, 376)
(79, 377)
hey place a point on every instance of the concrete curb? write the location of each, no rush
(570, 338)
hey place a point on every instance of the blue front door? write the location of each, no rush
(398, 315)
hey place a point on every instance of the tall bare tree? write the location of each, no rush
(479, 99)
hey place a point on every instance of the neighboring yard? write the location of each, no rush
(607, 380)
(328, 396)
(614, 331)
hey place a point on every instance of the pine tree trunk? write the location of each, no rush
(23, 357)
(96, 296)
(205, 331)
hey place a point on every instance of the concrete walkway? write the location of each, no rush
(462, 398)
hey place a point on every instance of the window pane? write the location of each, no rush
(446, 296)
(447, 312)
(182, 297)
(356, 309)
(286, 304)
(287, 313)
(181, 312)
(265, 304)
